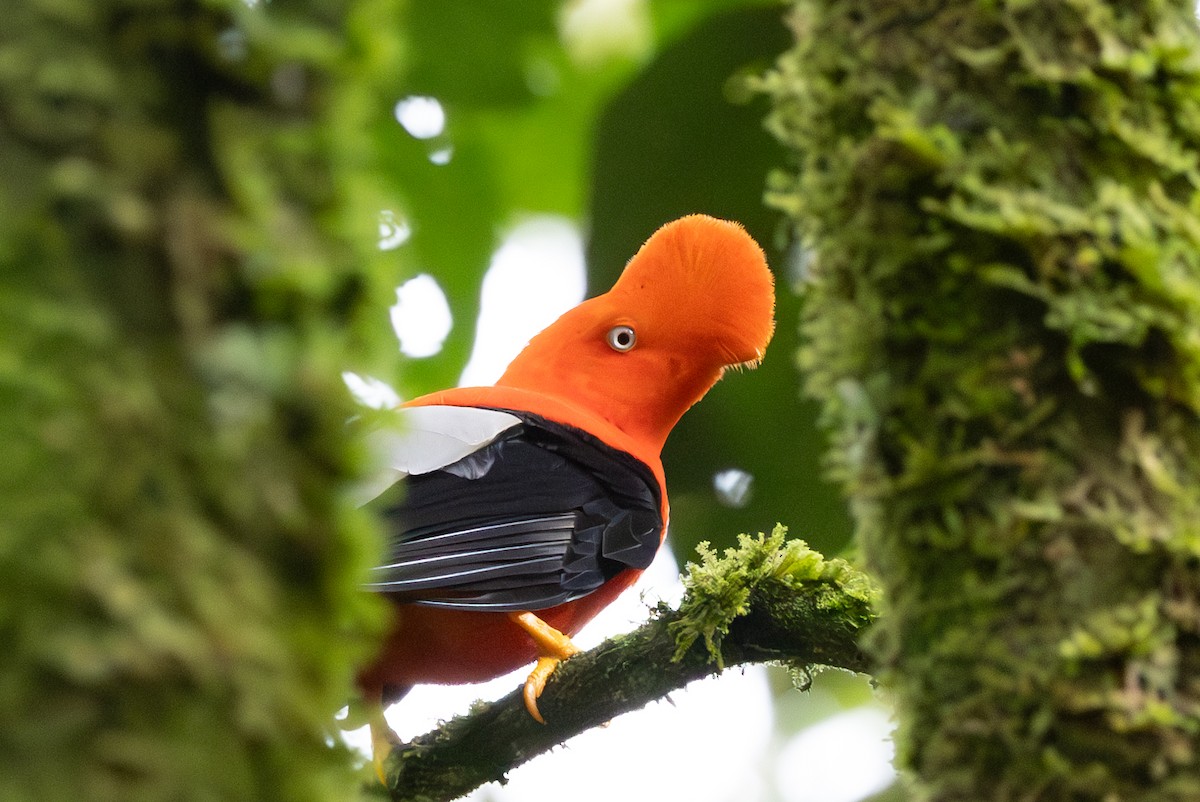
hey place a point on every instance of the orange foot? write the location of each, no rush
(554, 647)
(368, 709)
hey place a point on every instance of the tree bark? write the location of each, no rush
(1001, 318)
(181, 612)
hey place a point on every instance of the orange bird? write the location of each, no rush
(517, 512)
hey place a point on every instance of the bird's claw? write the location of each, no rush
(536, 683)
(383, 741)
(554, 646)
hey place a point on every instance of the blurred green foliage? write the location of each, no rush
(188, 264)
(518, 115)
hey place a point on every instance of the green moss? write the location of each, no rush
(1000, 200)
(185, 240)
(719, 589)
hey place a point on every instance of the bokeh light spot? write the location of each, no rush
(370, 392)
(422, 116)
(733, 487)
(394, 230)
(421, 317)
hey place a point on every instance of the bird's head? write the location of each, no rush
(696, 299)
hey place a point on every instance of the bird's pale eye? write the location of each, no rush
(622, 338)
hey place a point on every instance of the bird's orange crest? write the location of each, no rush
(708, 281)
(696, 299)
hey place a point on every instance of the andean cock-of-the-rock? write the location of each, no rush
(516, 512)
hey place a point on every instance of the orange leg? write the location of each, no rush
(369, 707)
(554, 647)
(383, 738)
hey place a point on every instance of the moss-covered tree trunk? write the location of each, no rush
(179, 184)
(1003, 319)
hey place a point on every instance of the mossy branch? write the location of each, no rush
(770, 599)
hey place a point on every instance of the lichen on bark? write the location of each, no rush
(1000, 200)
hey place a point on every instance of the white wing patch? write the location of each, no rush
(427, 438)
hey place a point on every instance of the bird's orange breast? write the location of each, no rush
(447, 647)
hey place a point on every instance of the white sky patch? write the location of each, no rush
(536, 274)
(421, 316)
(422, 116)
(655, 753)
(370, 392)
(656, 748)
(845, 758)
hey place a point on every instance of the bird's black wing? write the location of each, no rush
(543, 514)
